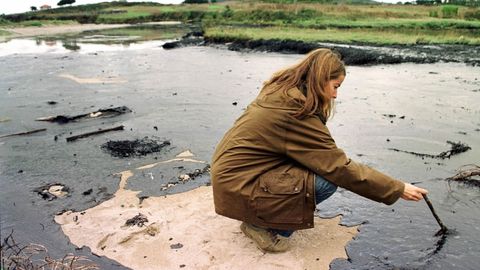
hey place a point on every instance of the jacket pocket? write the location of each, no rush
(280, 198)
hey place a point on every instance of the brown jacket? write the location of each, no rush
(263, 169)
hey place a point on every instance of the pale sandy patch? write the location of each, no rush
(183, 231)
(186, 153)
(93, 80)
(69, 28)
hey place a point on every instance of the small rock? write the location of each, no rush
(234, 103)
(87, 192)
(176, 246)
(57, 190)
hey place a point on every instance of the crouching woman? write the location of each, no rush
(279, 161)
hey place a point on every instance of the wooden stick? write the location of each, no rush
(443, 227)
(84, 135)
(24, 133)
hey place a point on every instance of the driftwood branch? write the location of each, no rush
(84, 135)
(24, 133)
(466, 172)
(63, 119)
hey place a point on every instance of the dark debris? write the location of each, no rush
(138, 220)
(126, 148)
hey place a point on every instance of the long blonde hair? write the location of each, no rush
(310, 75)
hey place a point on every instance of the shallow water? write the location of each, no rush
(144, 36)
(37, 46)
(188, 97)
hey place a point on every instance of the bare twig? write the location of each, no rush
(24, 133)
(17, 257)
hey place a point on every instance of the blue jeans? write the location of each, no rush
(323, 190)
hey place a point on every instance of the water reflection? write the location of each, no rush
(126, 38)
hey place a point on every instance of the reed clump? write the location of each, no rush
(15, 256)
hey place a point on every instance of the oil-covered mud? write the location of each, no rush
(186, 98)
(352, 54)
(131, 148)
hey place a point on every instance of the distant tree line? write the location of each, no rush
(471, 3)
(199, 1)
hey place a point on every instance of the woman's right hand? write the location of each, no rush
(413, 193)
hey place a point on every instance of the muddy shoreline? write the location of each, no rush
(358, 54)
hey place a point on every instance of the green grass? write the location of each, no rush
(37, 23)
(427, 23)
(369, 36)
(4, 33)
(130, 12)
(216, 7)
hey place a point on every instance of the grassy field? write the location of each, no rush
(35, 23)
(306, 21)
(4, 33)
(349, 36)
(7, 25)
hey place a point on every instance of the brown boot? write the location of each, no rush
(264, 239)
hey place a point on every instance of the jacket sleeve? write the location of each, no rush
(309, 142)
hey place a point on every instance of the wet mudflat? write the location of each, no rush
(183, 97)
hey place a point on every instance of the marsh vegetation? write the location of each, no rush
(310, 21)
